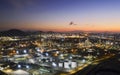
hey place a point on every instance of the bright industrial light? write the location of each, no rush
(83, 61)
(57, 52)
(70, 57)
(38, 49)
(46, 54)
(19, 66)
(61, 55)
(54, 64)
(25, 51)
(17, 52)
(27, 66)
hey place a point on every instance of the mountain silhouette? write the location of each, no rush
(13, 32)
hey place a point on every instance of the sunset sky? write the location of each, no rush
(55, 15)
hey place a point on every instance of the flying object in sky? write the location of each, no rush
(72, 23)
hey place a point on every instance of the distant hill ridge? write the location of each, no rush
(13, 32)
